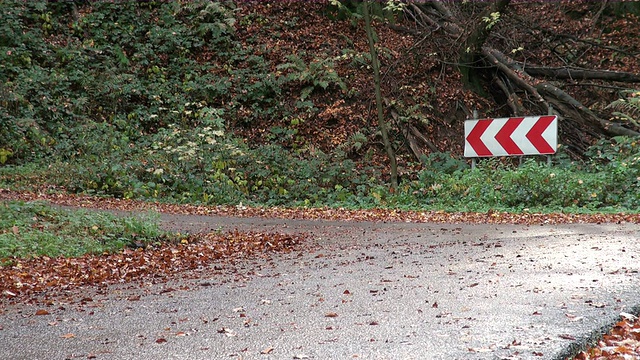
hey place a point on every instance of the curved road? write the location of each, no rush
(358, 290)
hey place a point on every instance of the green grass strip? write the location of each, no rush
(29, 229)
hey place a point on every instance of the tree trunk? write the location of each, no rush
(470, 53)
(376, 79)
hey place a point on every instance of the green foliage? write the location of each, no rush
(135, 99)
(534, 186)
(319, 73)
(35, 229)
(115, 65)
(350, 9)
(627, 108)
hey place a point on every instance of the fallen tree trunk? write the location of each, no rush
(608, 126)
(515, 74)
(582, 74)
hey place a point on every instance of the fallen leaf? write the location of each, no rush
(331, 315)
(161, 340)
(68, 336)
(181, 333)
(268, 350)
(42, 312)
(566, 337)
(628, 316)
(227, 332)
(300, 356)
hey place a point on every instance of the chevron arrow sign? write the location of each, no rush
(531, 135)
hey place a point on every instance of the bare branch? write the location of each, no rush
(582, 74)
(608, 126)
(509, 68)
(513, 100)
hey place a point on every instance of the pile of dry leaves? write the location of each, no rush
(491, 217)
(621, 343)
(25, 277)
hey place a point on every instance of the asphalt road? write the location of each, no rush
(358, 291)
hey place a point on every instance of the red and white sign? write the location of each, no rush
(531, 135)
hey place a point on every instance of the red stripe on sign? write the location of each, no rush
(504, 136)
(535, 135)
(474, 138)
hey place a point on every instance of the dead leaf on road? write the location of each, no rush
(68, 336)
(42, 312)
(227, 332)
(268, 350)
(331, 315)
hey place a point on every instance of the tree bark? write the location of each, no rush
(608, 126)
(376, 79)
(470, 58)
(582, 74)
(515, 74)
